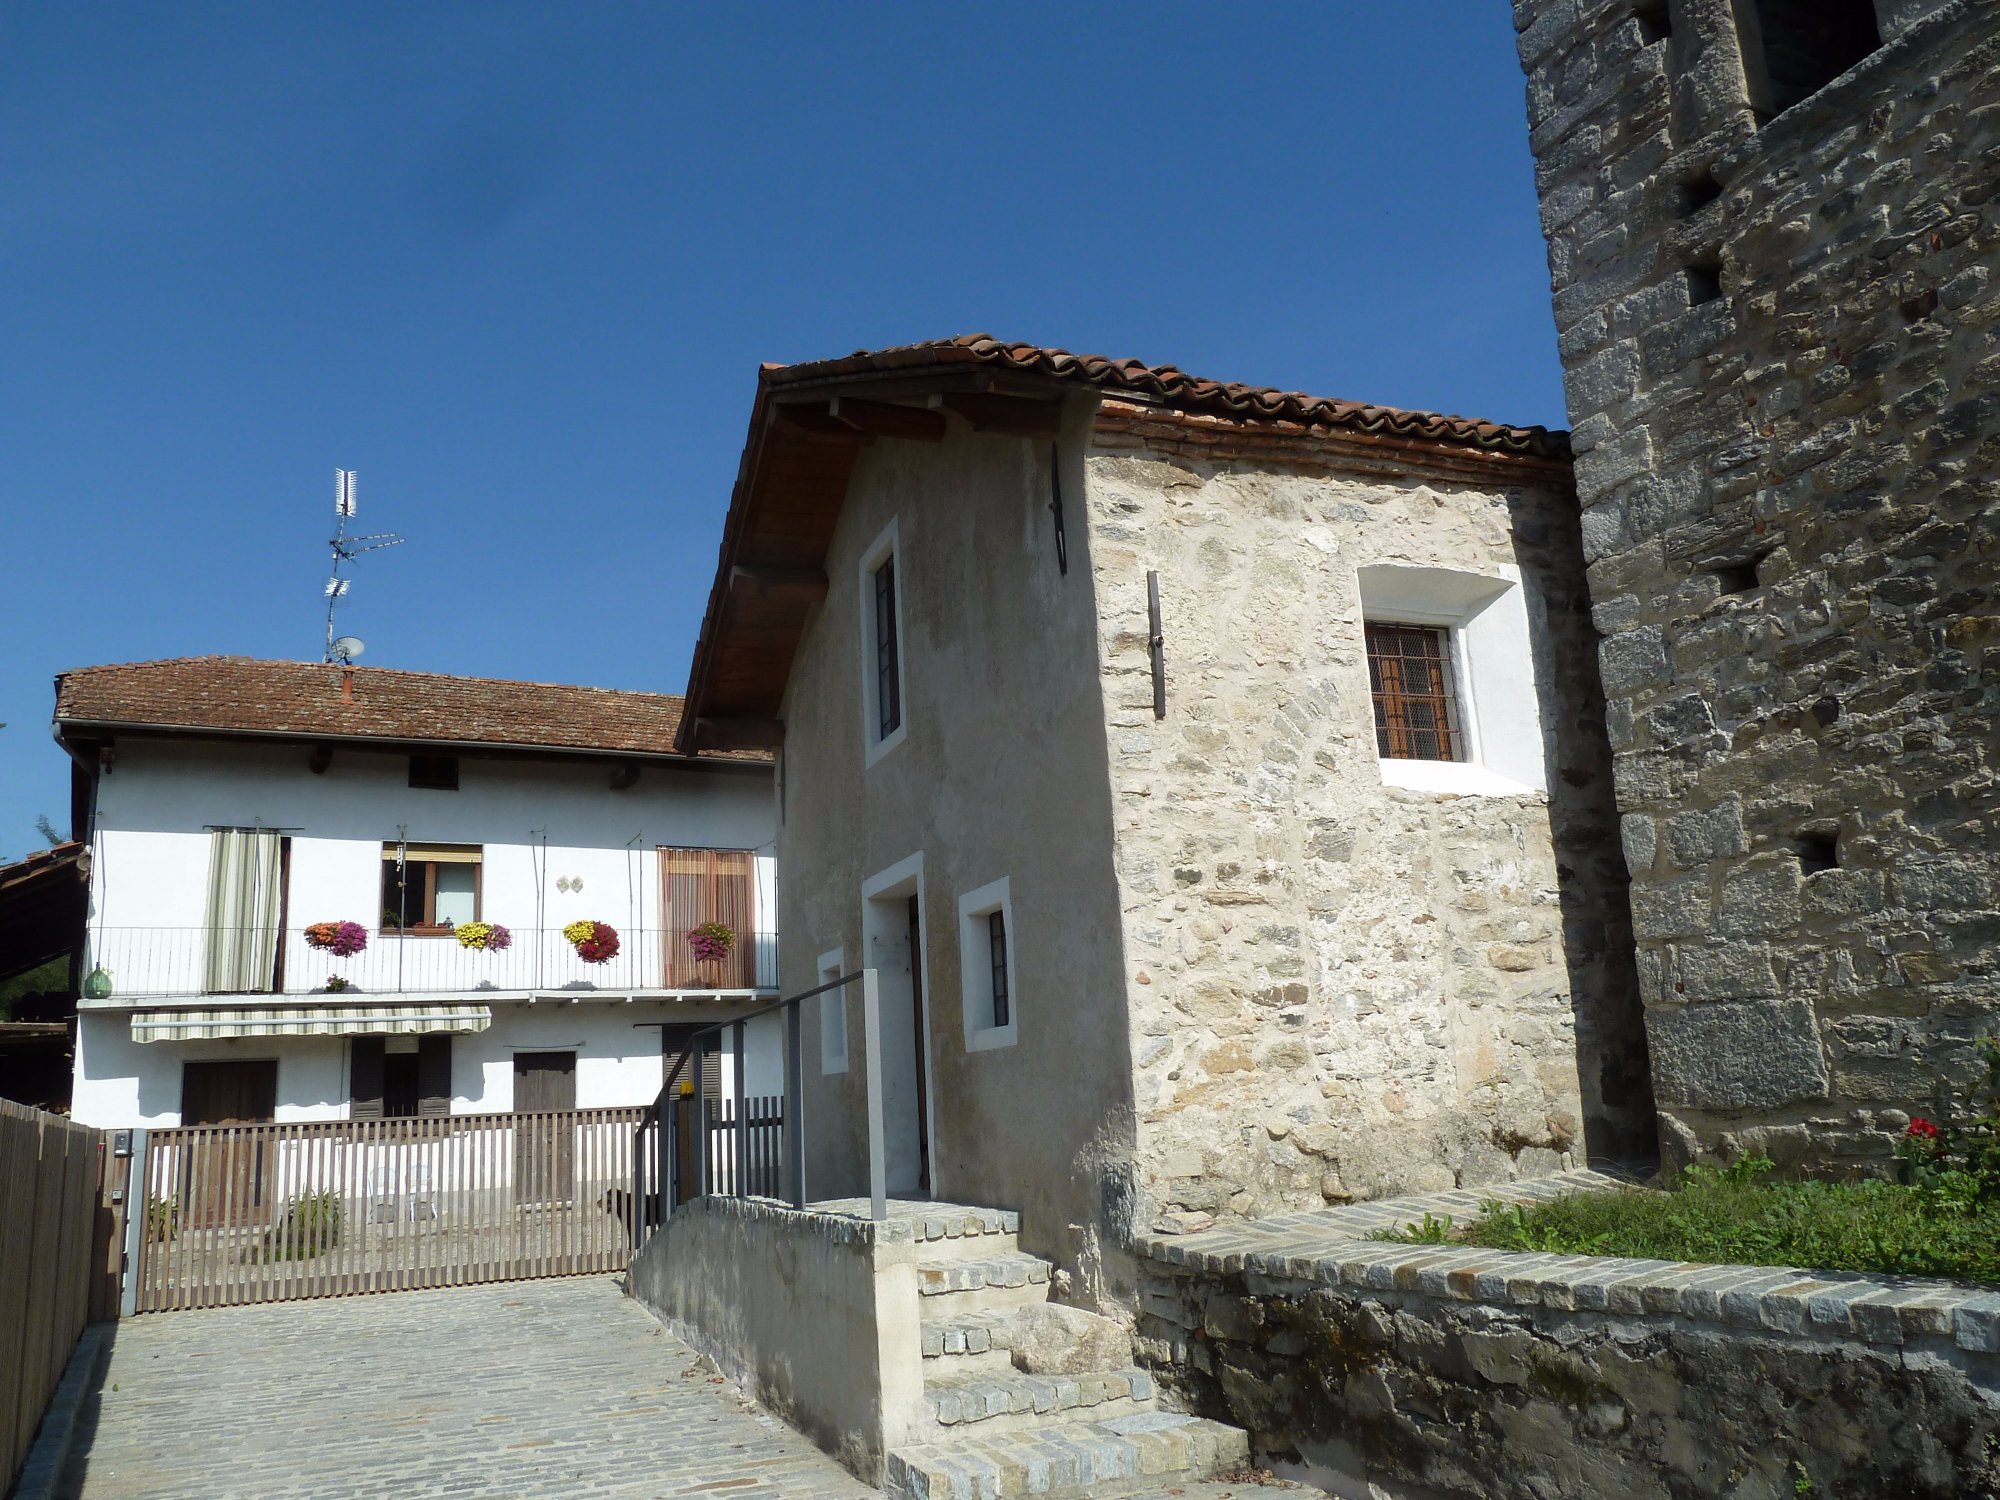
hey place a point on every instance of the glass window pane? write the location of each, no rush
(454, 894)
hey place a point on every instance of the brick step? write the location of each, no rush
(959, 1338)
(1112, 1456)
(1013, 1399)
(1005, 1280)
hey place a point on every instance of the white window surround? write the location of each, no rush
(833, 1014)
(975, 967)
(1493, 674)
(888, 544)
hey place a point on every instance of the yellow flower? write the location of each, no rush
(576, 932)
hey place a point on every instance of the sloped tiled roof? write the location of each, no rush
(1173, 387)
(306, 699)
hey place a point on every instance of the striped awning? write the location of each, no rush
(308, 1020)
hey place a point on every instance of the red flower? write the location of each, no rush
(1922, 1130)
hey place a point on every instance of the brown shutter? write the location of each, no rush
(434, 1075)
(365, 1078)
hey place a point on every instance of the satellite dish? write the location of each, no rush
(348, 647)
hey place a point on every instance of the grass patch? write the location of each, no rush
(1734, 1215)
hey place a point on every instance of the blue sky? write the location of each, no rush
(517, 265)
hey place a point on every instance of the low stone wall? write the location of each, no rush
(815, 1314)
(1389, 1371)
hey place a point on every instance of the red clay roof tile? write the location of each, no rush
(1175, 388)
(305, 699)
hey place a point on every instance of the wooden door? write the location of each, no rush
(228, 1171)
(544, 1149)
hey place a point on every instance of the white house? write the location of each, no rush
(294, 868)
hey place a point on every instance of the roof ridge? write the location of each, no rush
(225, 658)
(1172, 384)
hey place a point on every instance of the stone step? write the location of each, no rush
(1113, 1456)
(1013, 1399)
(994, 1281)
(968, 1340)
(952, 1231)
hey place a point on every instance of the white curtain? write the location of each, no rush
(243, 900)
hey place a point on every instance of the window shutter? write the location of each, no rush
(434, 1075)
(365, 1078)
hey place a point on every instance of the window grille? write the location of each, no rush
(1409, 673)
(996, 932)
(888, 685)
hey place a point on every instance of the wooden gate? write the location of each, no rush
(345, 1207)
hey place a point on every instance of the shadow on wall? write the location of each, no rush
(1619, 1122)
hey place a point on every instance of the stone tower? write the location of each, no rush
(1774, 241)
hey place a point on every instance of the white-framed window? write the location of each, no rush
(986, 967)
(883, 702)
(1452, 680)
(833, 1014)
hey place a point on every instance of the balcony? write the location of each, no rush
(176, 961)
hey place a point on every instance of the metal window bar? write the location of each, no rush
(996, 934)
(1409, 675)
(888, 687)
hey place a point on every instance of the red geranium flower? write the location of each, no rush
(1922, 1129)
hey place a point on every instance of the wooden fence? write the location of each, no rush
(54, 1238)
(264, 1213)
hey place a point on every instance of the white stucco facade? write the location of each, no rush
(554, 842)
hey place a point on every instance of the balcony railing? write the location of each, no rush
(176, 961)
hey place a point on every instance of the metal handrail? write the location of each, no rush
(666, 1087)
(665, 1106)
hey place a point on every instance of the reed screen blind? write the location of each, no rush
(709, 885)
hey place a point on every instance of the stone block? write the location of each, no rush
(1760, 901)
(1671, 908)
(1700, 837)
(1633, 660)
(1754, 1054)
(1724, 971)
(1051, 1339)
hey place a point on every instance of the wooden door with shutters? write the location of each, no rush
(228, 1175)
(698, 886)
(544, 1149)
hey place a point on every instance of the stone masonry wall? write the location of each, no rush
(1784, 384)
(1441, 1372)
(1340, 989)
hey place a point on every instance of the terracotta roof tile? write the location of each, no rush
(305, 699)
(1174, 387)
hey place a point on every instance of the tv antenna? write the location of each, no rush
(345, 549)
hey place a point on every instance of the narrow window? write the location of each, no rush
(429, 888)
(434, 773)
(996, 937)
(833, 1014)
(986, 966)
(1794, 48)
(1409, 674)
(1656, 23)
(888, 675)
(1704, 282)
(1818, 851)
(1741, 576)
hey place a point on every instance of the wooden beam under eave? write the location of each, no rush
(1017, 416)
(778, 578)
(739, 734)
(814, 417)
(887, 419)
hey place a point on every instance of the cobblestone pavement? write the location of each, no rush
(527, 1389)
